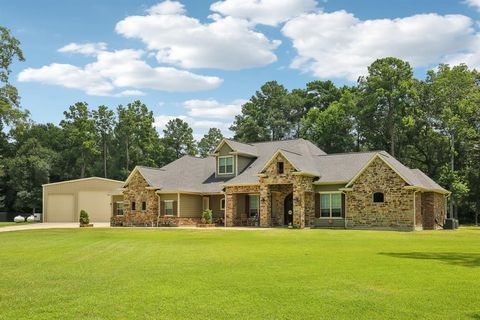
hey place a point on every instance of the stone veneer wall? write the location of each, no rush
(279, 193)
(433, 210)
(302, 188)
(136, 191)
(397, 210)
(418, 210)
(232, 216)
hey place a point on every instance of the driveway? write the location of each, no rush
(51, 225)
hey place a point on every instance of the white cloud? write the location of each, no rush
(473, 3)
(130, 93)
(213, 109)
(225, 43)
(167, 7)
(119, 69)
(340, 45)
(88, 49)
(267, 12)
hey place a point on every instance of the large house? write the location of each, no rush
(283, 183)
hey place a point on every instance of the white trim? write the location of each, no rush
(226, 173)
(82, 179)
(326, 183)
(169, 215)
(121, 215)
(220, 145)
(341, 209)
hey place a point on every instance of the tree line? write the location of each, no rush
(431, 124)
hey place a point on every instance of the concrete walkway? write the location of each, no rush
(51, 225)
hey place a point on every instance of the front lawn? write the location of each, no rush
(225, 274)
(8, 224)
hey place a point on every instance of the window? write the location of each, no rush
(144, 206)
(331, 205)
(168, 207)
(280, 167)
(119, 208)
(253, 205)
(222, 204)
(225, 165)
(378, 197)
(133, 206)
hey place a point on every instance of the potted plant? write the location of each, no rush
(207, 220)
(84, 220)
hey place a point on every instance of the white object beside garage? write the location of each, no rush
(62, 201)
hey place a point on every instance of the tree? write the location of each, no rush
(79, 129)
(104, 122)
(386, 92)
(331, 128)
(27, 171)
(209, 141)
(178, 138)
(136, 135)
(455, 98)
(10, 111)
(266, 116)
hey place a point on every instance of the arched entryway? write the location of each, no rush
(288, 208)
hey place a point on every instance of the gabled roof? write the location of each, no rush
(192, 174)
(238, 147)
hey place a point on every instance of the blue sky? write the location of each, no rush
(201, 59)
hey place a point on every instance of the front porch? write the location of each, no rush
(269, 205)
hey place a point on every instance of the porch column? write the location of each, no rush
(265, 206)
(230, 209)
(302, 187)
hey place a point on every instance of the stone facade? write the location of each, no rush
(273, 188)
(402, 208)
(137, 192)
(232, 215)
(397, 210)
(433, 210)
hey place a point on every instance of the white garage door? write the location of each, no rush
(96, 203)
(60, 208)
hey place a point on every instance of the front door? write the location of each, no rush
(288, 209)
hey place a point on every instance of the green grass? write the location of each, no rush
(225, 274)
(8, 224)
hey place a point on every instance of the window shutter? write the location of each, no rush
(343, 205)
(317, 205)
(174, 208)
(162, 208)
(114, 207)
(247, 204)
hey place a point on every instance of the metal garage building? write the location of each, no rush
(62, 201)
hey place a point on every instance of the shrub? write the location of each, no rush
(84, 217)
(207, 216)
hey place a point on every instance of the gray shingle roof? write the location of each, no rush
(198, 175)
(242, 147)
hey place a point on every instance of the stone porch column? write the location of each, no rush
(265, 206)
(302, 187)
(230, 210)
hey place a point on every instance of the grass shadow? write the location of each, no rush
(454, 258)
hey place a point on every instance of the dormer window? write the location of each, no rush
(280, 168)
(225, 165)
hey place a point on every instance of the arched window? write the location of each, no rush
(378, 197)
